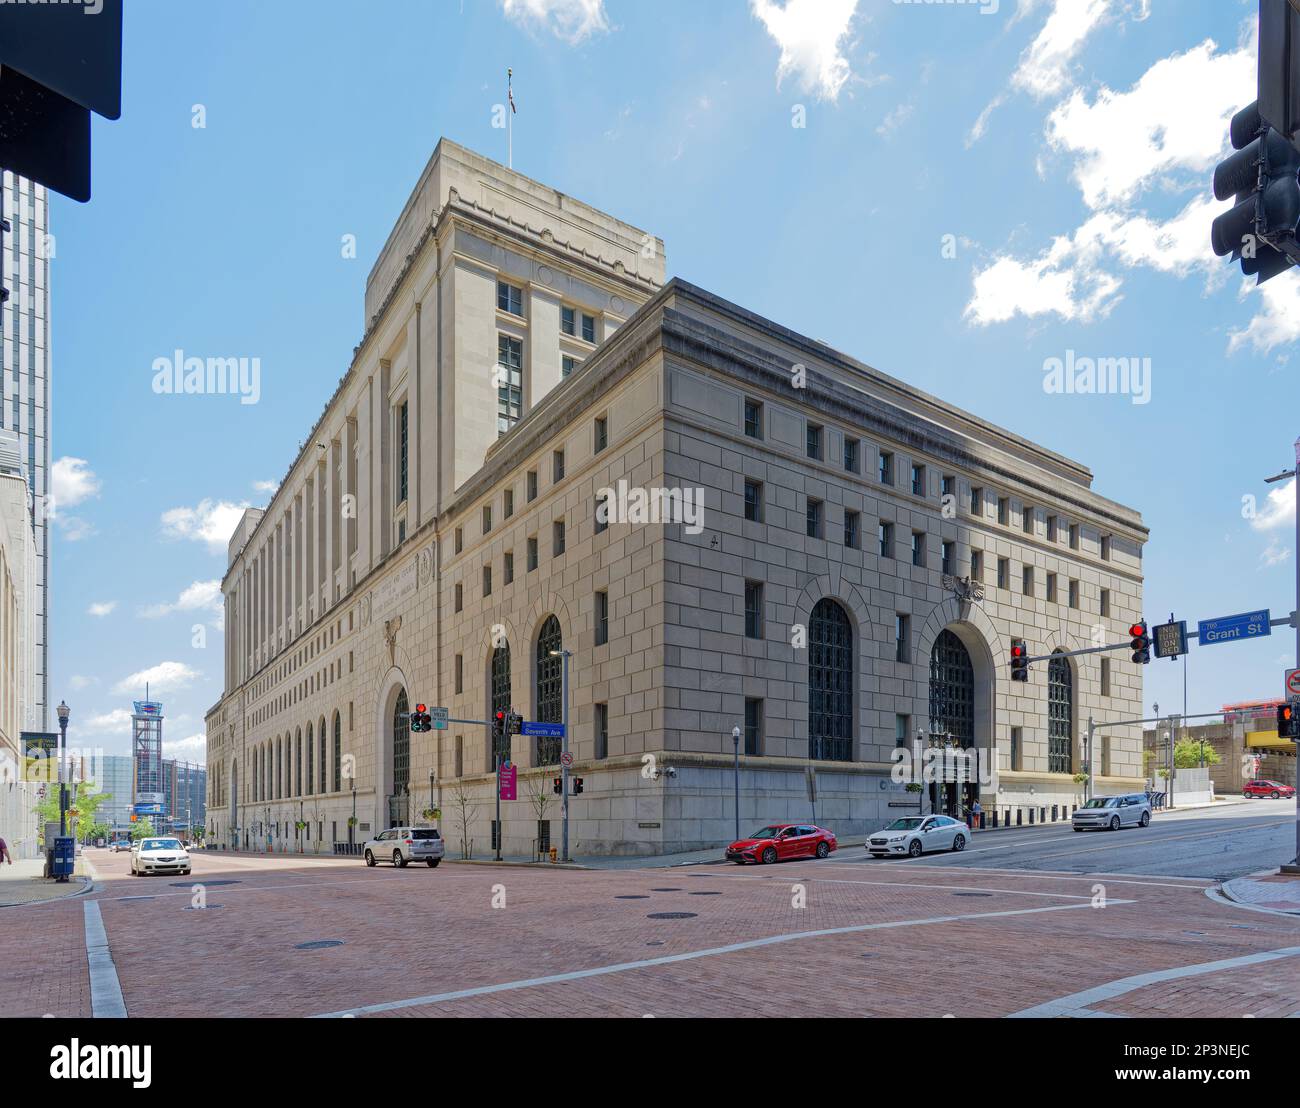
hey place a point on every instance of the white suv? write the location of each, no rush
(401, 845)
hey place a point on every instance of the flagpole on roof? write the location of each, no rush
(510, 127)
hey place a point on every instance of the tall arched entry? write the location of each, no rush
(1060, 715)
(501, 702)
(830, 683)
(952, 717)
(549, 691)
(234, 802)
(399, 803)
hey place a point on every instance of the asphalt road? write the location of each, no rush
(1217, 843)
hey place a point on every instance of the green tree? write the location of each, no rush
(81, 799)
(142, 830)
(1189, 753)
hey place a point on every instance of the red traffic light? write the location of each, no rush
(1137, 629)
(501, 715)
(1017, 651)
(419, 708)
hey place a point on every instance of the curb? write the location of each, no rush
(1221, 896)
(514, 865)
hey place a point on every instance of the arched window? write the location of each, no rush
(1060, 715)
(501, 697)
(320, 739)
(830, 683)
(401, 745)
(297, 762)
(257, 760)
(550, 692)
(279, 776)
(311, 762)
(338, 753)
(952, 690)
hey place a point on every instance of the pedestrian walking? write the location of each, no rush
(4, 853)
(976, 813)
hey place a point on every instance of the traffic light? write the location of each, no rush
(557, 785)
(1019, 660)
(499, 731)
(1261, 229)
(577, 785)
(1286, 721)
(420, 719)
(1140, 642)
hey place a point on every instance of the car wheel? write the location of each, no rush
(914, 848)
(739, 861)
(370, 858)
(769, 855)
(958, 843)
(1114, 823)
(1275, 794)
(398, 860)
(1145, 820)
(1078, 828)
(823, 849)
(433, 862)
(185, 873)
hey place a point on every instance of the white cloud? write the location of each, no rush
(1160, 137)
(267, 487)
(164, 677)
(1278, 510)
(191, 749)
(119, 719)
(1045, 66)
(812, 36)
(895, 119)
(101, 608)
(1175, 118)
(1278, 321)
(200, 596)
(1274, 554)
(78, 682)
(571, 20)
(211, 522)
(72, 481)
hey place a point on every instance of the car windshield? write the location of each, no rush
(425, 834)
(766, 833)
(160, 844)
(1101, 802)
(907, 823)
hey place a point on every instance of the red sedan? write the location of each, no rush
(779, 842)
(1273, 789)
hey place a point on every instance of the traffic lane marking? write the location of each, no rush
(899, 884)
(1173, 880)
(670, 959)
(1075, 1003)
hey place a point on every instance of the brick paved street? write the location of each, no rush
(889, 939)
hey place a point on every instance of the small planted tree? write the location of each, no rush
(462, 802)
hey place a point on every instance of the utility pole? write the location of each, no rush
(1294, 474)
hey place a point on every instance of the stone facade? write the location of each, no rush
(344, 595)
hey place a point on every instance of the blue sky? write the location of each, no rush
(1061, 149)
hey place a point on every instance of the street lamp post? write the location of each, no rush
(735, 746)
(64, 712)
(1294, 474)
(352, 823)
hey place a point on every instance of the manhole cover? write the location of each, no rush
(972, 894)
(655, 942)
(671, 915)
(669, 890)
(203, 907)
(711, 893)
(318, 944)
(633, 896)
(189, 884)
(1244, 927)
(1193, 932)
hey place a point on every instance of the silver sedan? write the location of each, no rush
(914, 835)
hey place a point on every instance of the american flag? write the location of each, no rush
(510, 92)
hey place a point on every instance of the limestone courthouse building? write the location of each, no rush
(543, 453)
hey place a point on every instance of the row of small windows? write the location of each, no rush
(573, 321)
(278, 764)
(814, 448)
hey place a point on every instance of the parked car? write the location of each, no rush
(914, 835)
(780, 842)
(401, 845)
(159, 856)
(1110, 813)
(1271, 789)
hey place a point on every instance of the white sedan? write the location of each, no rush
(159, 856)
(914, 835)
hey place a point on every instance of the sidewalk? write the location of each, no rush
(22, 883)
(1278, 892)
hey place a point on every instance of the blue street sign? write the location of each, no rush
(544, 730)
(1244, 625)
